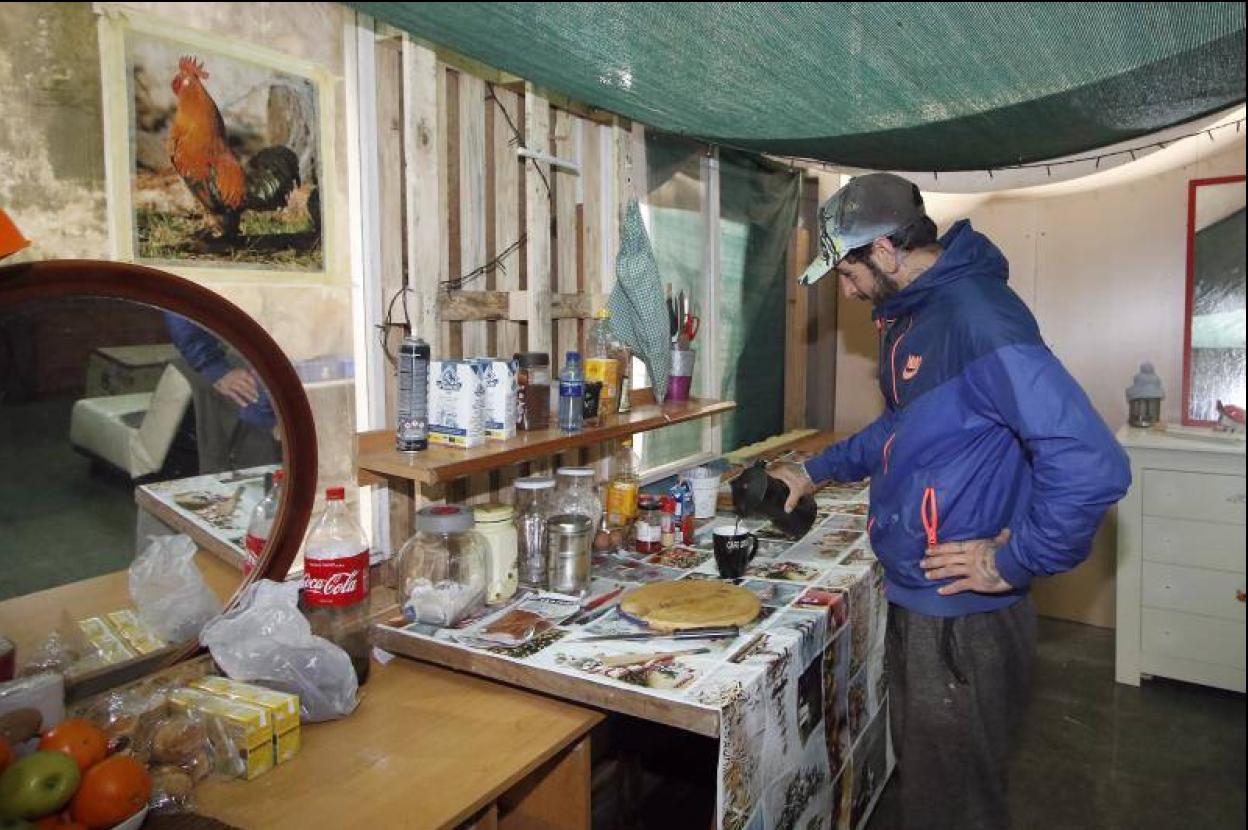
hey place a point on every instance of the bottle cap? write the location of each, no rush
(279, 475)
(1145, 384)
(528, 360)
(491, 513)
(534, 483)
(669, 504)
(444, 519)
(574, 357)
(335, 493)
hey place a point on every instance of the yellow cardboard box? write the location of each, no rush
(283, 708)
(249, 725)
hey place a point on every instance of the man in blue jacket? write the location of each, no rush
(988, 467)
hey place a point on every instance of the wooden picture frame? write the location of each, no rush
(201, 249)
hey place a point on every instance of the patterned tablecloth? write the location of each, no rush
(801, 694)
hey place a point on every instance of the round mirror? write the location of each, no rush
(157, 453)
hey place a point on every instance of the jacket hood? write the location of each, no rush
(966, 254)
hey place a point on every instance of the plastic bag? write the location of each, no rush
(264, 639)
(169, 592)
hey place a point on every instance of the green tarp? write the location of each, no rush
(893, 86)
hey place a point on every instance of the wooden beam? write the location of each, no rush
(537, 222)
(472, 249)
(567, 260)
(389, 63)
(425, 195)
(797, 326)
(508, 196)
(463, 306)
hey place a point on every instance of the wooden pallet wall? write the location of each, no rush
(457, 196)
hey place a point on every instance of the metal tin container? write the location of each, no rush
(568, 562)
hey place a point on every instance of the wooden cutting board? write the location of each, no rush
(691, 603)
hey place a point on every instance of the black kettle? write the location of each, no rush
(758, 495)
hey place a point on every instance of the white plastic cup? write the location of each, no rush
(704, 482)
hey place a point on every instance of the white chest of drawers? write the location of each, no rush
(1181, 561)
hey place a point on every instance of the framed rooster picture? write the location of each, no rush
(217, 153)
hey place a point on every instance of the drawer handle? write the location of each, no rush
(1239, 595)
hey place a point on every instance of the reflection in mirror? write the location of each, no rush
(1215, 362)
(121, 426)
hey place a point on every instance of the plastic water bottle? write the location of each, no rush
(571, 394)
(261, 524)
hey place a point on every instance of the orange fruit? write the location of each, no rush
(79, 738)
(111, 791)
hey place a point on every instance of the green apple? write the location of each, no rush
(38, 785)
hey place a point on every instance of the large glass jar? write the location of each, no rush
(577, 494)
(533, 497)
(442, 568)
(494, 525)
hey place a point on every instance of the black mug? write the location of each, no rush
(734, 549)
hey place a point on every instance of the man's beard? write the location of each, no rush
(885, 286)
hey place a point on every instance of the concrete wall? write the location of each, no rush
(1104, 273)
(52, 164)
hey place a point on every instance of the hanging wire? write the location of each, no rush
(517, 140)
(495, 264)
(387, 323)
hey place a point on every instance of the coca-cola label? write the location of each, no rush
(255, 547)
(336, 582)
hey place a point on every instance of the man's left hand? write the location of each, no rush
(974, 560)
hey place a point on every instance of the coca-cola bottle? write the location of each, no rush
(335, 581)
(261, 524)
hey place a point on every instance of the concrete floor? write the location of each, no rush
(1096, 755)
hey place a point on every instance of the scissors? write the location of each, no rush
(691, 326)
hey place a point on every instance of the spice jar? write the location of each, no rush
(533, 495)
(568, 554)
(648, 529)
(442, 568)
(667, 522)
(533, 391)
(576, 493)
(493, 522)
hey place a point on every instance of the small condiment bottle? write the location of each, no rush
(648, 529)
(668, 519)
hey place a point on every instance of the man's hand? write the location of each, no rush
(797, 479)
(239, 385)
(974, 560)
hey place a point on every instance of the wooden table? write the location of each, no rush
(429, 749)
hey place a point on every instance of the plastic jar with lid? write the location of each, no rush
(533, 497)
(442, 568)
(494, 523)
(647, 530)
(577, 493)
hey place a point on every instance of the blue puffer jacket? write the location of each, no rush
(984, 430)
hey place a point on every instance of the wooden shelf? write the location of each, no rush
(378, 460)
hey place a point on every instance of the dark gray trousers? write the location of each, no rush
(957, 687)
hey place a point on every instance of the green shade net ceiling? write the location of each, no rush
(893, 86)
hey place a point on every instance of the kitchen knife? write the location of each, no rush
(719, 632)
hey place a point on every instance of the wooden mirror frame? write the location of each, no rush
(50, 279)
(1189, 298)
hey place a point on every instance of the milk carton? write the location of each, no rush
(456, 403)
(501, 389)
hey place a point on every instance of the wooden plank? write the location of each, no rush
(376, 453)
(556, 797)
(537, 222)
(426, 748)
(389, 63)
(508, 196)
(797, 328)
(424, 180)
(472, 248)
(567, 259)
(452, 331)
(700, 719)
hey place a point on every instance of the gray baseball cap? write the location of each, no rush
(862, 211)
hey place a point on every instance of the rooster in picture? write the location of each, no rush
(202, 156)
